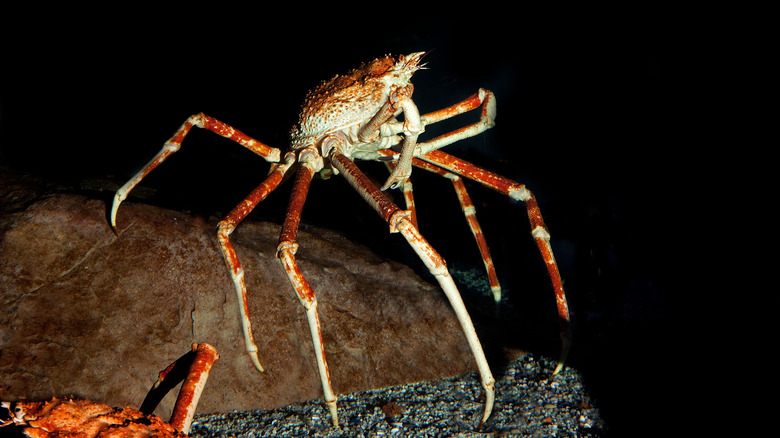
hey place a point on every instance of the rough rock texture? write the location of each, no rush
(89, 313)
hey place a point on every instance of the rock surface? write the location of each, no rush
(94, 314)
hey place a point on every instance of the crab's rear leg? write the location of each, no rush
(174, 144)
(469, 211)
(399, 221)
(538, 230)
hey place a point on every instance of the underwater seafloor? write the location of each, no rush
(528, 403)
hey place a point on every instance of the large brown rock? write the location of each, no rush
(90, 313)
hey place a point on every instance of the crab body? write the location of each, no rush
(346, 103)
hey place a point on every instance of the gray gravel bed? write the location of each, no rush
(528, 403)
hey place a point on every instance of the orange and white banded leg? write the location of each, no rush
(539, 231)
(227, 226)
(482, 98)
(288, 245)
(399, 221)
(408, 191)
(201, 120)
(470, 212)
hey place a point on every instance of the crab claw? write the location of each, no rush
(396, 179)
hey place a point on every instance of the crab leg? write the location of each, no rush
(408, 192)
(538, 230)
(193, 368)
(174, 144)
(399, 222)
(192, 388)
(470, 212)
(226, 227)
(483, 97)
(288, 245)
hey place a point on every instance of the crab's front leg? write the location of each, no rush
(400, 221)
(171, 146)
(413, 127)
(227, 226)
(310, 162)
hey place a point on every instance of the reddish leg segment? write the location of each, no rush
(226, 227)
(538, 230)
(483, 98)
(288, 245)
(234, 217)
(470, 212)
(174, 144)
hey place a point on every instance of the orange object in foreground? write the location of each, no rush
(86, 419)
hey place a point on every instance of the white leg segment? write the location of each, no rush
(438, 268)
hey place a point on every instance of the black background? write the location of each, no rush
(582, 116)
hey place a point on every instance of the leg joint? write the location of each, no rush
(286, 246)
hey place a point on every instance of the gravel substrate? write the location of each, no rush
(528, 403)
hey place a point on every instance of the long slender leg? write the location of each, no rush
(469, 211)
(471, 217)
(226, 227)
(174, 144)
(399, 222)
(288, 245)
(538, 230)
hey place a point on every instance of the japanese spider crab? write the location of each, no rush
(354, 117)
(85, 419)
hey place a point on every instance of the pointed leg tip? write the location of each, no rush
(256, 361)
(114, 229)
(490, 397)
(114, 209)
(333, 412)
(561, 360)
